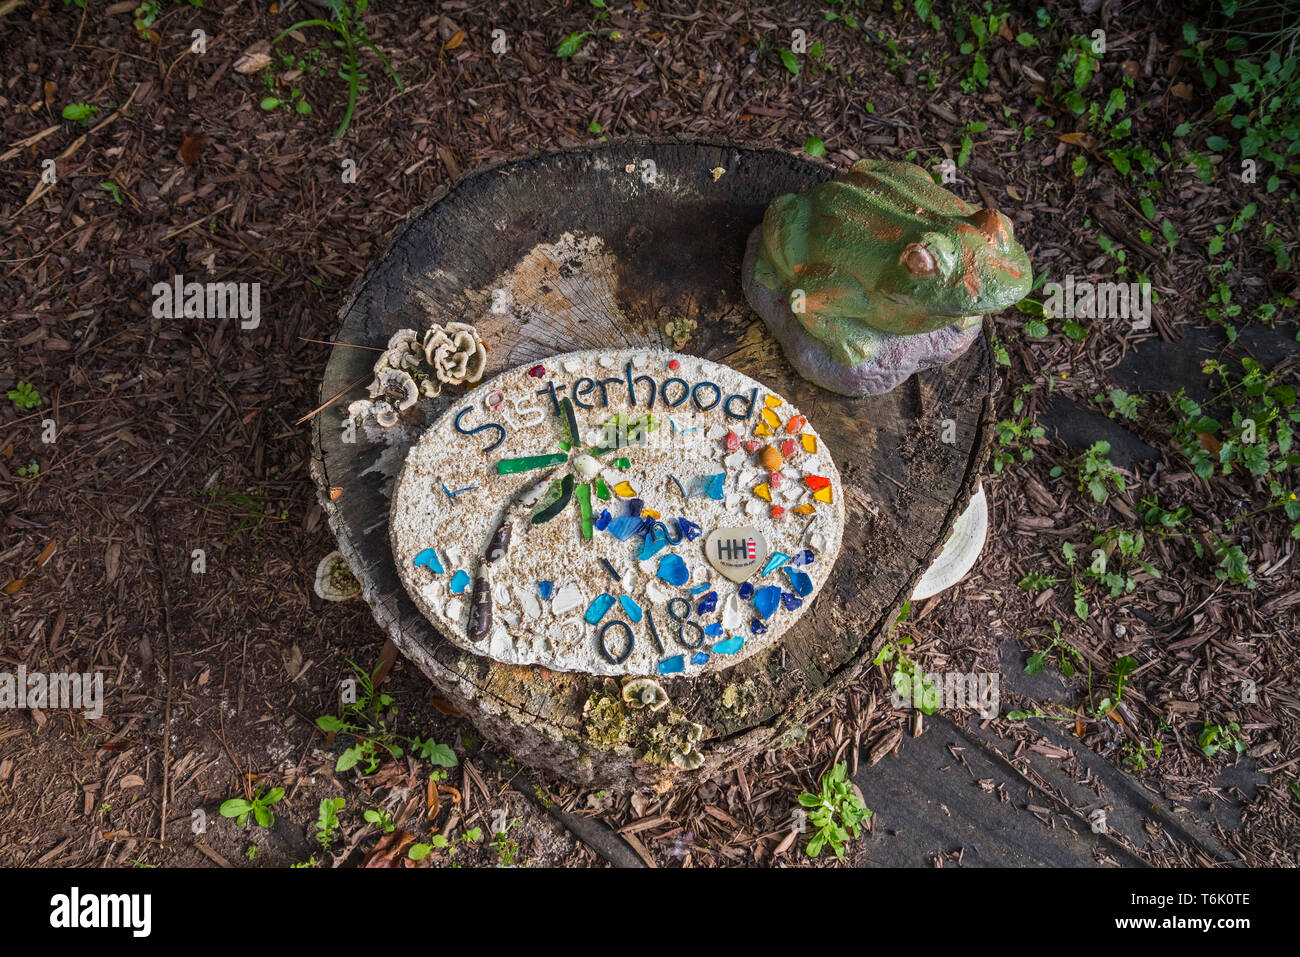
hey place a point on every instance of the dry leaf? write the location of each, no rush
(1182, 90)
(455, 41)
(17, 585)
(191, 145)
(255, 58)
(111, 561)
(389, 850)
(446, 707)
(51, 89)
(1086, 140)
(46, 552)
(131, 781)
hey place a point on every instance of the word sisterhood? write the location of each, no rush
(672, 392)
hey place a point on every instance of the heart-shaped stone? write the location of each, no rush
(736, 552)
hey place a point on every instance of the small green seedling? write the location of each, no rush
(1213, 737)
(24, 395)
(327, 820)
(379, 818)
(507, 849)
(419, 852)
(836, 812)
(81, 113)
(1064, 652)
(259, 808)
(350, 34)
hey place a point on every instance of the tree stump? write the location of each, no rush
(627, 245)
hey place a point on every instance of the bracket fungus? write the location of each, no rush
(645, 693)
(334, 579)
(455, 352)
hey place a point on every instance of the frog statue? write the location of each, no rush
(878, 274)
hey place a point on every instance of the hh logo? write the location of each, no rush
(737, 549)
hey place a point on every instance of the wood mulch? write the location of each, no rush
(182, 435)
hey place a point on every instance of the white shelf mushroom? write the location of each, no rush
(334, 579)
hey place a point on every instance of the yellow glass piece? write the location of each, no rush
(804, 509)
(763, 492)
(771, 418)
(649, 511)
(809, 442)
(762, 429)
(624, 490)
(823, 495)
(771, 402)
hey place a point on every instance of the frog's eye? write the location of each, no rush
(918, 260)
(990, 223)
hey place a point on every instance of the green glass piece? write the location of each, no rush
(568, 422)
(583, 494)
(565, 445)
(623, 463)
(602, 490)
(554, 507)
(529, 462)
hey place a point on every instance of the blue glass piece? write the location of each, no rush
(673, 570)
(757, 627)
(805, 557)
(790, 602)
(625, 527)
(767, 599)
(799, 581)
(712, 485)
(656, 540)
(630, 607)
(714, 629)
(708, 604)
(690, 531)
(459, 581)
(698, 589)
(699, 658)
(671, 666)
(746, 591)
(635, 506)
(599, 605)
(545, 589)
(429, 559)
(602, 520)
(776, 561)
(730, 646)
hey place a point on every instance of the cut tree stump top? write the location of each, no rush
(639, 245)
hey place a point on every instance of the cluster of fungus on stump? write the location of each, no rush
(624, 716)
(454, 352)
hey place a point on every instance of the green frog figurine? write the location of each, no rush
(878, 274)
